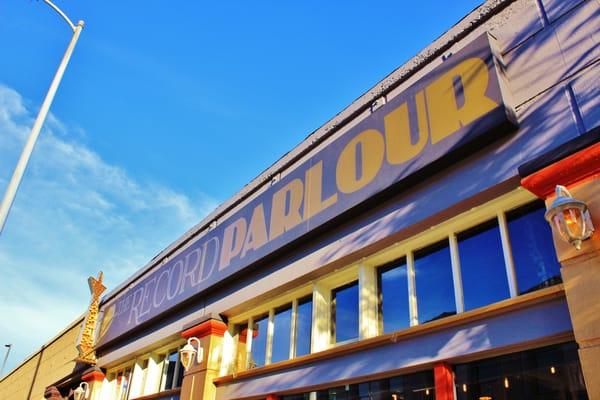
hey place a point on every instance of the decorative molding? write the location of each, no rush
(93, 376)
(211, 327)
(578, 167)
(87, 338)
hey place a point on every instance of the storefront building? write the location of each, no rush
(401, 250)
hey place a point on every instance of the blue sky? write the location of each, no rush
(166, 110)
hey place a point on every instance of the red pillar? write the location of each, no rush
(272, 397)
(444, 381)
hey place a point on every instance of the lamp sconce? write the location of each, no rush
(570, 218)
(82, 391)
(189, 352)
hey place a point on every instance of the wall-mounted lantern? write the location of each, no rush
(82, 391)
(570, 218)
(189, 352)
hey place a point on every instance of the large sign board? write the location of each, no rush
(458, 102)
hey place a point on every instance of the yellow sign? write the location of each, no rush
(87, 337)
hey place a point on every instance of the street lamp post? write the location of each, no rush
(8, 347)
(15, 181)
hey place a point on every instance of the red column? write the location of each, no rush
(272, 397)
(444, 381)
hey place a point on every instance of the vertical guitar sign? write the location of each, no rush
(87, 337)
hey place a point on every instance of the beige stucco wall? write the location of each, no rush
(53, 362)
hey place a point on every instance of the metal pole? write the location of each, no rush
(15, 181)
(9, 346)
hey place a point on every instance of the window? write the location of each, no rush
(272, 335)
(120, 382)
(259, 342)
(482, 265)
(282, 329)
(344, 313)
(393, 296)
(303, 326)
(417, 386)
(532, 248)
(434, 284)
(547, 373)
(172, 371)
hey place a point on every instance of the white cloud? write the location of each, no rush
(74, 215)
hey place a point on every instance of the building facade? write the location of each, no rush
(401, 250)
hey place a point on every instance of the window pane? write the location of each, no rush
(303, 326)
(345, 312)
(434, 285)
(482, 266)
(281, 334)
(393, 292)
(170, 364)
(125, 384)
(259, 342)
(180, 373)
(547, 373)
(533, 249)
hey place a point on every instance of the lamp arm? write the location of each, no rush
(200, 351)
(61, 13)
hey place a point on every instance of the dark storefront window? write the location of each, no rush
(345, 312)
(482, 266)
(259, 342)
(418, 386)
(303, 326)
(532, 248)
(549, 373)
(282, 326)
(434, 285)
(393, 296)
(169, 370)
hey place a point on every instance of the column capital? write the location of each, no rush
(212, 327)
(93, 376)
(575, 168)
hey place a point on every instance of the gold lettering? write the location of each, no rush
(445, 117)
(257, 231)
(371, 157)
(313, 192)
(281, 219)
(233, 239)
(399, 146)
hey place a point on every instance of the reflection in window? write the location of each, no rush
(281, 334)
(259, 342)
(532, 248)
(393, 296)
(169, 370)
(434, 285)
(345, 312)
(418, 386)
(303, 326)
(482, 266)
(547, 373)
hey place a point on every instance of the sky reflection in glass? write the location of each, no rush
(345, 300)
(533, 249)
(393, 286)
(434, 285)
(281, 334)
(482, 266)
